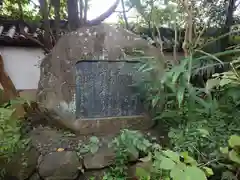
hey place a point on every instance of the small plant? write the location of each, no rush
(233, 149)
(164, 164)
(232, 154)
(91, 147)
(127, 145)
(11, 137)
(171, 165)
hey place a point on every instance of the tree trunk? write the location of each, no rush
(124, 15)
(81, 6)
(228, 23)
(73, 16)
(46, 24)
(85, 11)
(56, 5)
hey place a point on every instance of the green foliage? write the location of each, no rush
(91, 147)
(11, 9)
(163, 164)
(200, 120)
(172, 90)
(233, 149)
(11, 137)
(31, 10)
(203, 136)
(178, 166)
(227, 82)
(129, 144)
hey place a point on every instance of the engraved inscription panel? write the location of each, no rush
(104, 89)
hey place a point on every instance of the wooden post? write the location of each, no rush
(6, 82)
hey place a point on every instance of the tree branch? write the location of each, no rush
(125, 10)
(56, 5)
(124, 15)
(46, 50)
(85, 10)
(73, 16)
(104, 16)
(81, 11)
(46, 24)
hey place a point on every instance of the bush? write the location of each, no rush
(199, 120)
(11, 137)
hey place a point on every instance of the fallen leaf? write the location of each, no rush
(60, 150)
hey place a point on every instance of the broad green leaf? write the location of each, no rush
(208, 171)
(142, 174)
(234, 141)
(212, 83)
(166, 164)
(176, 172)
(224, 150)
(194, 173)
(188, 159)
(234, 156)
(225, 81)
(181, 166)
(172, 155)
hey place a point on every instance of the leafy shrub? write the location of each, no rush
(164, 164)
(128, 144)
(202, 136)
(168, 164)
(231, 153)
(200, 120)
(233, 150)
(11, 137)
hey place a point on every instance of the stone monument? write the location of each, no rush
(81, 80)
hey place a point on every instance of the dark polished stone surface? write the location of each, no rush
(104, 89)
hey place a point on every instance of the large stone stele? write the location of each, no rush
(57, 80)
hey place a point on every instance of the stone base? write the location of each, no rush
(112, 125)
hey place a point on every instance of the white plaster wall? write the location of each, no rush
(22, 65)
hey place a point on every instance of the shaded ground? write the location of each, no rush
(48, 137)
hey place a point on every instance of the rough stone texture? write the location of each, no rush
(101, 159)
(104, 157)
(113, 125)
(23, 164)
(97, 174)
(47, 140)
(63, 165)
(35, 176)
(57, 83)
(54, 165)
